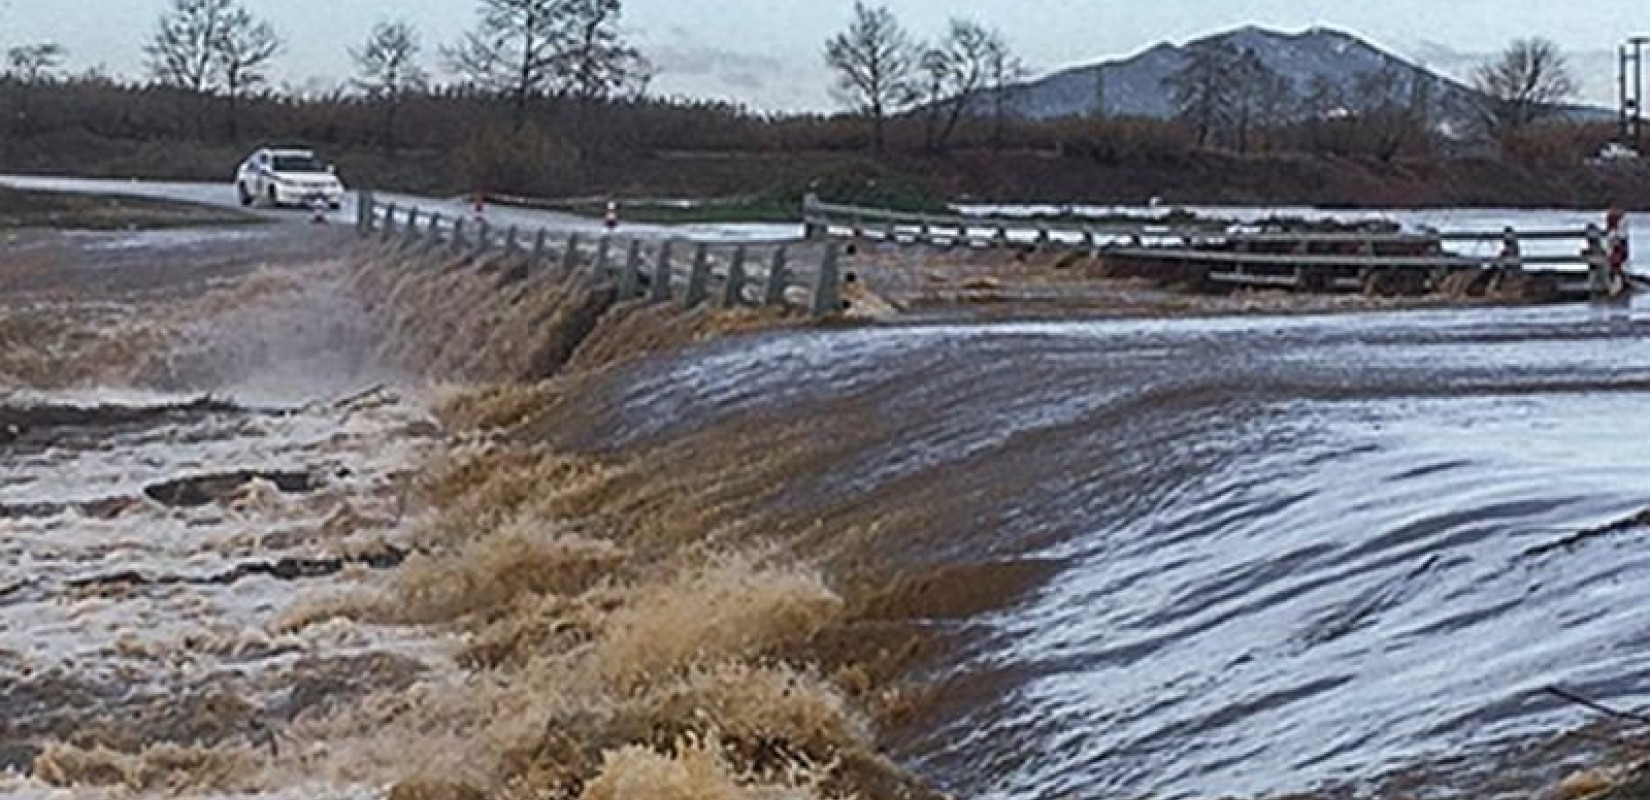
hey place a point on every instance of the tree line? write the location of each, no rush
(523, 50)
(1224, 96)
(883, 70)
(549, 98)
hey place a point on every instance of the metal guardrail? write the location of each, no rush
(1235, 256)
(691, 274)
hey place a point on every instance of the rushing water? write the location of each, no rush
(1294, 552)
(1298, 552)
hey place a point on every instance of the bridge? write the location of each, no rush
(1567, 263)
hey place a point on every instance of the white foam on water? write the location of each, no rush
(161, 637)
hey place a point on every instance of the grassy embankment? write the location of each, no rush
(32, 209)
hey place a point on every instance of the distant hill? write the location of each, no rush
(1134, 86)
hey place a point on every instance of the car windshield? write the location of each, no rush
(299, 164)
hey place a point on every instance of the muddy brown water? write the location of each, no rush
(1290, 553)
(1296, 553)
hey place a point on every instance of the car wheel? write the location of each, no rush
(246, 196)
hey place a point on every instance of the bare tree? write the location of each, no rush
(525, 49)
(1392, 108)
(969, 54)
(1003, 71)
(244, 49)
(1527, 84)
(930, 86)
(210, 46)
(388, 70)
(34, 63)
(1204, 88)
(594, 61)
(512, 51)
(183, 52)
(1258, 93)
(875, 61)
(642, 73)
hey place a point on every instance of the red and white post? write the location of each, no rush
(1618, 247)
(1616, 238)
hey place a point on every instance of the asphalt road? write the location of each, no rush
(529, 220)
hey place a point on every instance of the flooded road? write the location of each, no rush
(1296, 553)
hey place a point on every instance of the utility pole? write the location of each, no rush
(1632, 97)
(1624, 108)
(1638, 43)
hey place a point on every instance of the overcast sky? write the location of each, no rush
(766, 53)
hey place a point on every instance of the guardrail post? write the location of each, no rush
(389, 221)
(432, 237)
(1000, 239)
(628, 277)
(539, 243)
(812, 228)
(659, 292)
(1091, 243)
(698, 277)
(510, 245)
(734, 287)
(363, 211)
(773, 294)
(570, 256)
(598, 270)
(925, 232)
(458, 234)
(1043, 237)
(1512, 256)
(890, 230)
(858, 229)
(483, 236)
(410, 230)
(1598, 263)
(828, 286)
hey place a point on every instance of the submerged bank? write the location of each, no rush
(630, 555)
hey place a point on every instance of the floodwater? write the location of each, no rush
(161, 506)
(1294, 553)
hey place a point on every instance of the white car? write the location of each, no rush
(288, 177)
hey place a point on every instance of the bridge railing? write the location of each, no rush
(688, 273)
(1235, 255)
